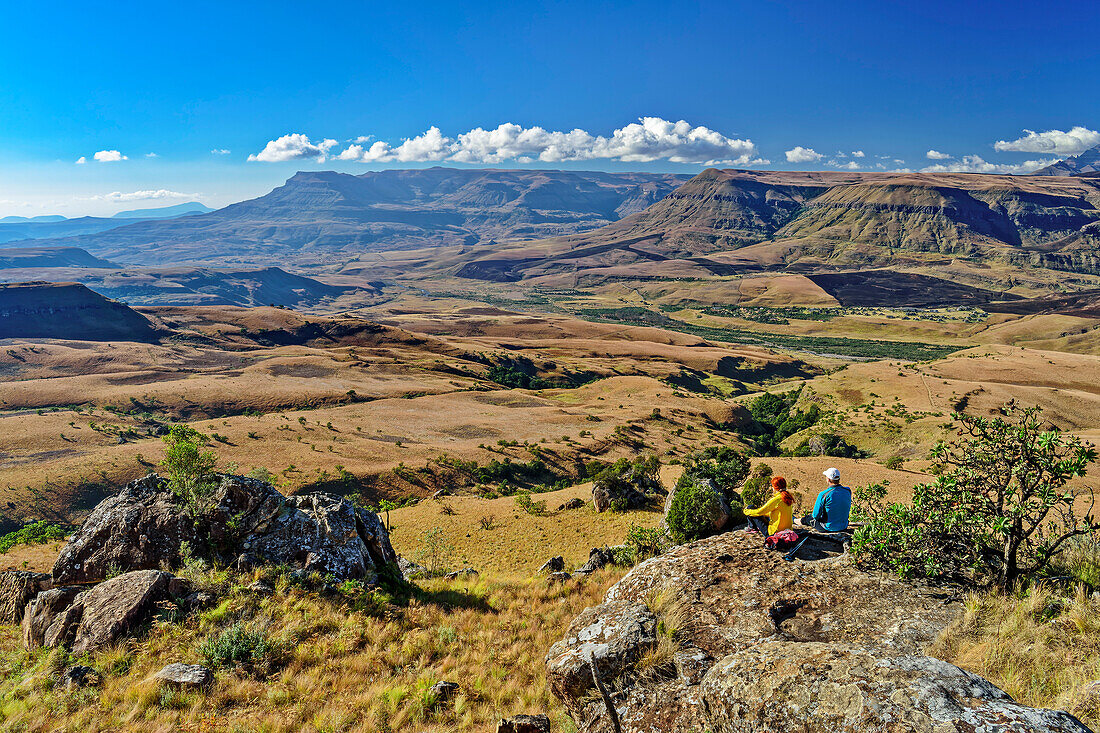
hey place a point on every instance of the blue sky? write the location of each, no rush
(800, 85)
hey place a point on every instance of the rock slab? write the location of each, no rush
(17, 588)
(185, 675)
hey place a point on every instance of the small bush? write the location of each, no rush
(692, 511)
(242, 648)
(646, 542)
(758, 488)
(527, 504)
(190, 468)
(894, 463)
(37, 533)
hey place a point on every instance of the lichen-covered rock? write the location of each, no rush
(17, 588)
(144, 527)
(113, 608)
(50, 619)
(598, 557)
(185, 675)
(138, 528)
(614, 636)
(831, 688)
(553, 565)
(769, 645)
(410, 569)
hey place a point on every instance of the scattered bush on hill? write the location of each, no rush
(1000, 509)
(777, 419)
(190, 468)
(526, 503)
(690, 515)
(37, 533)
(827, 444)
(643, 543)
(239, 647)
(629, 482)
(723, 465)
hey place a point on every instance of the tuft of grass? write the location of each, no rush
(1039, 646)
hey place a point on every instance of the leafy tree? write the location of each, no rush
(758, 488)
(723, 465)
(1000, 508)
(190, 468)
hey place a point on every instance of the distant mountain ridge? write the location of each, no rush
(17, 228)
(1085, 162)
(324, 215)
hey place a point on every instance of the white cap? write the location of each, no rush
(833, 474)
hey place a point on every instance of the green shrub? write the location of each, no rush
(190, 468)
(894, 463)
(691, 512)
(524, 502)
(723, 465)
(999, 510)
(758, 488)
(645, 542)
(33, 534)
(239, 647)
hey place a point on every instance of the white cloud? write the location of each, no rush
(1051, 142)
(858, 154)
(151, 155)
(220, 151)
(81, 160)
(851, 165)
(937, 155)
(649, 139)
(295, 146)
(150, 195)
(800, 154)
(975, 164)
(109, 156)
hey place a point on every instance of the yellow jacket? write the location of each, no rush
(777, 511)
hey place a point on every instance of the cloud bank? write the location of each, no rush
(149, 195)
(109, 156)
(975, 164)
(649, 139)
(295, 146)
(1051, 142)
(799, 154)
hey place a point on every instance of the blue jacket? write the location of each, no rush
(834, 504)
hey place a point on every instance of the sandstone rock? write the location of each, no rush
(553, 565)
(598, 557)
(410, 569)
(561, 577)
(524, 724)
(464, 573)
(443, 691)
(629, 490)
(113, 608)
(832, 688)
(613, 635)
(185, 675)
(767, 645)
(722, 511)
(49, 619)
(17, 588)
(245, 521)
(573, 503)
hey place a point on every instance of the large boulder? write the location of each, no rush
(17, 588)
(85, 620)
(625, 487)
(144, 527)
(760, 644)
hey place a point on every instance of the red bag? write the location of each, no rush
(781, 540)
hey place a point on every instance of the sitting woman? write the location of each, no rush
(775, 515)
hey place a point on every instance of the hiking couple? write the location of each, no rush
(830, 510)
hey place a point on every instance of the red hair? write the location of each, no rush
(779, 486)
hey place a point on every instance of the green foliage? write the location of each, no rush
(827, 444)
(692, 510)
(643, 543)
(894, 463)
(435, 551)
(723, 465)
(999, 510)
(190, 468)
(238, 647)
(758, 488)
(33, 534)
(777, 419)
(625, 478)
(524, 502)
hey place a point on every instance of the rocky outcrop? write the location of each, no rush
(17, 588)
(247, 520)
(87, 620)
(724, 635)
(524, 724)
(630, 489)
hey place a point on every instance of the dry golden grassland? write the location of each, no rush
(331, 667)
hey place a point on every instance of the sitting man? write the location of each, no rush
(832, 506)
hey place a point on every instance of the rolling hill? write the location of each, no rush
(324, 216)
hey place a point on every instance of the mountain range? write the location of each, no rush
(325, 216)
(19, 228)
(1084, 163)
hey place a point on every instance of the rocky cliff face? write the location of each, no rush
(723, 635)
